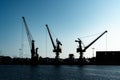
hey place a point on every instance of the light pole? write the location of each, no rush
(93, 51)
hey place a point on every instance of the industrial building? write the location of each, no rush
(108, 57)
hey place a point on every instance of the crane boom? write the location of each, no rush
(94, 41)
(50, 36)
(30, 38)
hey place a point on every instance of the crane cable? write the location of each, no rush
(94, 35)
(46, 40)
(90, 35)
(22, 41)
(106, 42)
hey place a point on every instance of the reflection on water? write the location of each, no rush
(64, 72)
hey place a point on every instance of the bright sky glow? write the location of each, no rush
(67, 19)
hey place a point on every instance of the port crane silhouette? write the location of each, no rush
(82, 49)
(34, 53)
(56, 48)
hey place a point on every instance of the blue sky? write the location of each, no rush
(67, 19)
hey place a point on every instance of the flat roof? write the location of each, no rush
(107, 51)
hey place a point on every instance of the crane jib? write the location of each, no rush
(94, 40)
(50, 37)
(30, 38)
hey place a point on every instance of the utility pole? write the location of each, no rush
(93, 51)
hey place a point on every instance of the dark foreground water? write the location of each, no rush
(64, 72)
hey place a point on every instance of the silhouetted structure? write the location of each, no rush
(56, 47)
(5, 60)
(82, 49)
(71, 56)
(108, 57)
(34, 54)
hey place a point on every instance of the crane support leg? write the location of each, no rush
(81, 56)
(57, 55)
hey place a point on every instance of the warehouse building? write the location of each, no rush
(108, 57)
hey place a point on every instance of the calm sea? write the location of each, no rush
(63, 72)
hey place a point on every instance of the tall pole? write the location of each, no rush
(93, 51)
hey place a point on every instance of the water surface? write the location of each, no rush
(63, 72)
